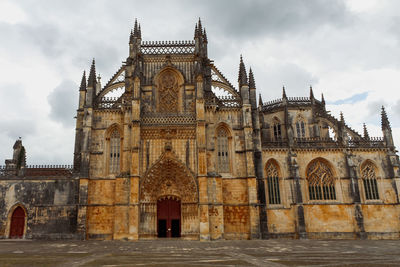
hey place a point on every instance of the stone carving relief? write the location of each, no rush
(166, 177)
(168, 90)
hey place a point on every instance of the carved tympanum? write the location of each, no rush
(168, 176)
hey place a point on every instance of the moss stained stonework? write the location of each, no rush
(169, 125)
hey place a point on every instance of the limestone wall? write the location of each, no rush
(49, 203)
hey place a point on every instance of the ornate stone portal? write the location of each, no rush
(168, 178)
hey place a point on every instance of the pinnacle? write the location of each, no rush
(252, 83)
(136, 30)
(384, 119)
(195, 31)
(260, 101)
(283, 92)
(205, 36)
(242, 79)
(341, 117)
(311, 93)
(83, 82)
(366, 135)
(131, 37)
(92, 75)
(322, 99)
(200, 27)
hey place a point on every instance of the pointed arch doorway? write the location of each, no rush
(169, 217)
(17, 224)
(169, 200)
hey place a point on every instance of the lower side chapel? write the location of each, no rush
(169, 148)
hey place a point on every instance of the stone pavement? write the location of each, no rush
(194, 253)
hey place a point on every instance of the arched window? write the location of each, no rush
(369, 179)
(114, 149)
(277, 129)
(223, 150)
(271, 171)
(320, 181)
(300, 129)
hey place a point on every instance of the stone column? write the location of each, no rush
(82, 208)
(134, 201)
(216, 210)
(294, 171)
(355, 193)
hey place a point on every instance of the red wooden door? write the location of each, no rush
(17, 223)
(169, 217)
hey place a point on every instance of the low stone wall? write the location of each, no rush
(50, 205)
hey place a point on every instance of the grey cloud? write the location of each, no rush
(373, 114)
(62, 101)
(18, 128)
(270, 17)
(295, 79)
(394, 115)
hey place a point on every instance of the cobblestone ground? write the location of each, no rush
(194, 253)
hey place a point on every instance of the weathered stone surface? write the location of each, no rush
(180, 130)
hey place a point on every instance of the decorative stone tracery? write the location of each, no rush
(321, 183)
(168, 92)
(168, 177)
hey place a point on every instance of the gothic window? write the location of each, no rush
(300, 129)
(223, 150)
(271, 171)
(370, 182)
(168, 90)
(114, 150)
(320, 181)
(277, 131)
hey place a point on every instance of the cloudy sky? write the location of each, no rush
(349, 50)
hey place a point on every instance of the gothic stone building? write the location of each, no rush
(168, 147)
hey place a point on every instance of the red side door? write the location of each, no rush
(17, 223)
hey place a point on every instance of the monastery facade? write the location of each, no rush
(168, 147)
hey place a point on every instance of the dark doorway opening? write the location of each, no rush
(162, 228)
(17, 223)
(169, 217)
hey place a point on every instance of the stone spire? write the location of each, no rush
(283, 92)
(195, 31)
(341, 117)
(386, 130)
(311, 93)
(384, 120)
(83, 82)
(242, 78)
(260, 101)
(92, 75)
(366, 135)
(136, 30)
(205, 36)
(200, 28)
(131, 37)
(252, 83)
(322, 99)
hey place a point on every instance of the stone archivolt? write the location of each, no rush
(166, 177)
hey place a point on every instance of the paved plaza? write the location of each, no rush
(194, 253)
